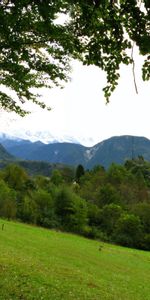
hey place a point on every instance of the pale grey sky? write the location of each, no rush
(79, 110)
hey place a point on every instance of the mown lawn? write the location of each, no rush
(38, 264)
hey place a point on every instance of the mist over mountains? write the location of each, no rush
(46, 137)
(116, 149)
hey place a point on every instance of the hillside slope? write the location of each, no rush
(4, 155)
(36, 263)
(21, 148)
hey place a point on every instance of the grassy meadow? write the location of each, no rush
(37, 263)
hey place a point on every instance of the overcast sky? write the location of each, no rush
(80, 111)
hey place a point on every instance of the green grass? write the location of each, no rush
(38, 264)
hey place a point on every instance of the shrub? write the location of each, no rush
(129, 231)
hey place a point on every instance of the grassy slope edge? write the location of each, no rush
(36, 263)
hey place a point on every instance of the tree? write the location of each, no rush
(117, 174)
(35, 49)
(45, 208)
(42, 182)
(72, 210)
(142, 210)
(109, 217)
(91, 182)
(79, 172)
(67, 173)
(129, 231)
(140, 168)
(7, 201)
(108, 194)
(56, 177)
(16, 177)
(108, 30)
(27, 210)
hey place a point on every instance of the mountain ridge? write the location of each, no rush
(116, 149)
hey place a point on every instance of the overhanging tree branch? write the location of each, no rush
(97, 32)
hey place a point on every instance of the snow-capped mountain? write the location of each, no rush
(46, 137)
(113, 150)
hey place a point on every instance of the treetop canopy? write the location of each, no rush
(35, 49)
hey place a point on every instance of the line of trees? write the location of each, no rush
(111, 205)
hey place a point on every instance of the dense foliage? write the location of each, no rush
(112, 205)
(35, 47)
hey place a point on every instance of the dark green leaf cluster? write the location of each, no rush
(107, 30)
(35, 49)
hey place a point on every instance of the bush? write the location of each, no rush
(95, 233)
(146, 242)
(129, 231)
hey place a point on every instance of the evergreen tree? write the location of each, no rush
(79, 172)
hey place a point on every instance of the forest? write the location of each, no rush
(110, 205)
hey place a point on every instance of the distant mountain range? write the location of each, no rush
(116, 149)
(32, 167)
